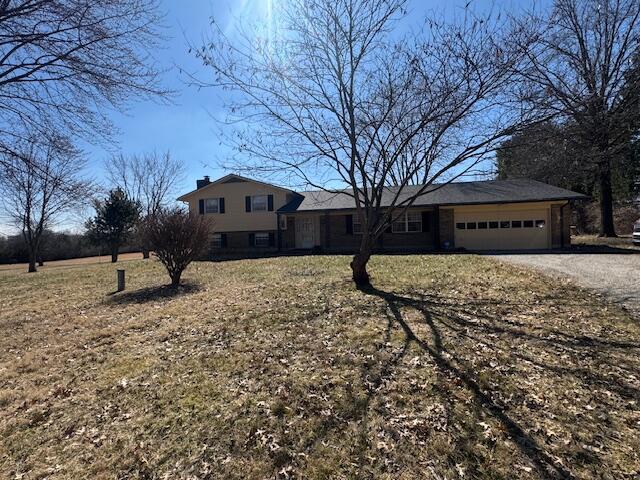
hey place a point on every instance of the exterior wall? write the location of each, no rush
(557, 225)
(332, 235)
(288, 236)
(235, 218)
(446, 227)
(561, 225)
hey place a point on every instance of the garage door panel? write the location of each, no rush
(534, 234)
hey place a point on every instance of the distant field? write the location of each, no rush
(454, 367)
(73, 261)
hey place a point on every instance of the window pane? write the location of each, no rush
(493, 224)
(259, 203)
(505, 224)
(516, 224)
(211, 205)
(482, 225)
(399, 227)
(357, 227)
(262, 239)
(540, 223)
(471, 225)
(528, 224)
(461, 226)
(414, 217)
(216, 240)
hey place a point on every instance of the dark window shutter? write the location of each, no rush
(247, 204)
(252, 240)
(221, 204)
(272, 239)
(201, 206)
(270, 203)
(426, 221)
(223, 239)
(349, 224)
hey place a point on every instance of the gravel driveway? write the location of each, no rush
(616, 275)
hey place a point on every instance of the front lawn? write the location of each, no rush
(450, 367)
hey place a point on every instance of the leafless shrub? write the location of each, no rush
(177, 238)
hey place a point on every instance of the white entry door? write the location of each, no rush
(305, 232)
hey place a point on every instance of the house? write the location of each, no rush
(250, 215)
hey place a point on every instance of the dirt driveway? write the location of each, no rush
(616, 275)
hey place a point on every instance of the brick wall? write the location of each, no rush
(560, 226)
(446, 227)
(288, 236)
(334, 237)
(239, 242)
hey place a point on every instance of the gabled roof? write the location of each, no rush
(458, 193)
(231, 178)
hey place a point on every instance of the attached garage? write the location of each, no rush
(503, 227)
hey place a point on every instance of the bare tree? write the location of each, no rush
(63, 62)
(177, 237)
(580, 69)
(151, 179)
(330, 95)
(39, 185)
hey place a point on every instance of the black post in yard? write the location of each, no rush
(120, 280)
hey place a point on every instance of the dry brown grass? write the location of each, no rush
(622, 241)
(451, 367)
(72, 262)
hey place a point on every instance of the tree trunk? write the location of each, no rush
(175, 279)
(607, 228)
(359, 263)
(40, 262)
(114, 254)
(32, 264)
(145, 253)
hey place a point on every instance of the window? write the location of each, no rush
(505, 224)
(493, 224)
(211, 205)
(407, 223)
(356, 225)
(540, 223)
(261, 240)
(216, 240)
(516, 224)
(482, 225)
(471, 225)
(283, 222)
(259, 203)
(461, 226)
(528, 223)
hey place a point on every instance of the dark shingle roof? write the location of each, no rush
(458, 193)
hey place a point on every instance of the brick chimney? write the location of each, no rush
(203, 182)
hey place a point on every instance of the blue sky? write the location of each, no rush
(186, 127)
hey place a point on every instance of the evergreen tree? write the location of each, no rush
(115, 219)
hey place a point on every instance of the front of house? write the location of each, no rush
(253, 216)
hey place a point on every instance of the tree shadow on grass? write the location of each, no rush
(151, 294)
(465, 327)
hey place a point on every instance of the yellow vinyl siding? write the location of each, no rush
(235, 218)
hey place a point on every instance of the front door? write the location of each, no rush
(305, 232)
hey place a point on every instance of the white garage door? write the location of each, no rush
(502, 230)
